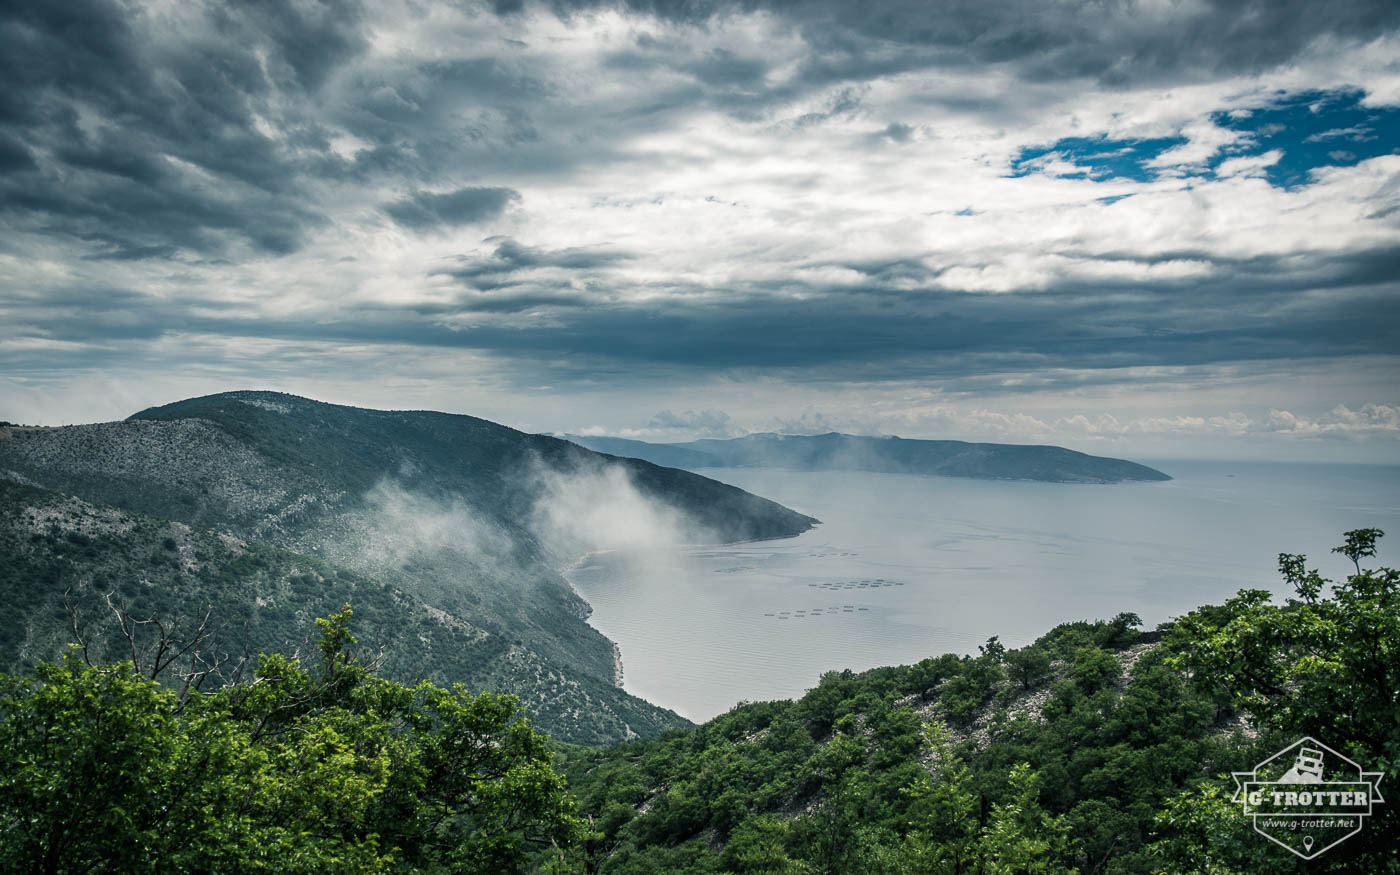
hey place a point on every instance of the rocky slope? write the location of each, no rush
(462, 520)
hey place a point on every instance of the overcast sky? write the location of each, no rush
(1148, 228)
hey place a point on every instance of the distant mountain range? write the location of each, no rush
(890, 455)
(444, 532)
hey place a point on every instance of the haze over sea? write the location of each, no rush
(906, 567)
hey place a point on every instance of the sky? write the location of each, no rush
(1132, 227)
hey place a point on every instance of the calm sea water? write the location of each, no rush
(907, 567)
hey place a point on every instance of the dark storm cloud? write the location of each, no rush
(1117, 42)
(509, 259)
(134, 253)
(311, 39)
(130, 206)
(517, 302)
(145, 141)
(14, 157)
(514, 278)
(888, 271)
(499, 115)
(1251, 312)
(899, 132)
(887, 334)
(465, 206)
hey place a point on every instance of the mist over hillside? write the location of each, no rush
(452, 525)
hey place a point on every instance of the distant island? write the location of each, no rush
(886, 455)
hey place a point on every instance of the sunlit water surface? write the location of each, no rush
(906, 567)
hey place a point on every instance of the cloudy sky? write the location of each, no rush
(1133, 226)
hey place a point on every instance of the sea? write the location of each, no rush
(905, 567)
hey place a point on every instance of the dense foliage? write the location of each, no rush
(1051, 757)
(320, 768)
(1097, 749)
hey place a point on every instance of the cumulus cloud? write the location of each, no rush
(1369, 422)
(697, 424)
(1380, 420)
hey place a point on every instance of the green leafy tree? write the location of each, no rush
(1203, 831)
(1325, 664)
(324, 768)
(944, 810)
(1028, 666)
(1093, 668)
(87, 757)
(1021, 836)
(760, 847)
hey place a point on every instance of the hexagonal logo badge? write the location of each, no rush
(1307, 797)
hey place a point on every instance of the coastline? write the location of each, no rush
(617, 665)
(588, 613)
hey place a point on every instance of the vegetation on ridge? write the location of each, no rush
(310, 766)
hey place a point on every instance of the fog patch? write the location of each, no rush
(575, 510)
(597, 507)
(397, 525)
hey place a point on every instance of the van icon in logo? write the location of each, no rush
(1307, 797)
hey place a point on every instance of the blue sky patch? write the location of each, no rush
(1101, 158)
(1311, 130)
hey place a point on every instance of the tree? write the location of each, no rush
(759, 846)
(325, 768)
(1021, 836)
(85, 761)
(1028, 666)
(944, 810)
(1325, 665)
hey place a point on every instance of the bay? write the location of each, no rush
(906, 567)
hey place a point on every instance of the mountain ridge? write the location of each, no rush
(467, 517)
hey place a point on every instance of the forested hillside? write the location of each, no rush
(275, 509)
(1099, 748)
(70, 566)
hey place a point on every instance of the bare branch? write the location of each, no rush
(78, 634)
